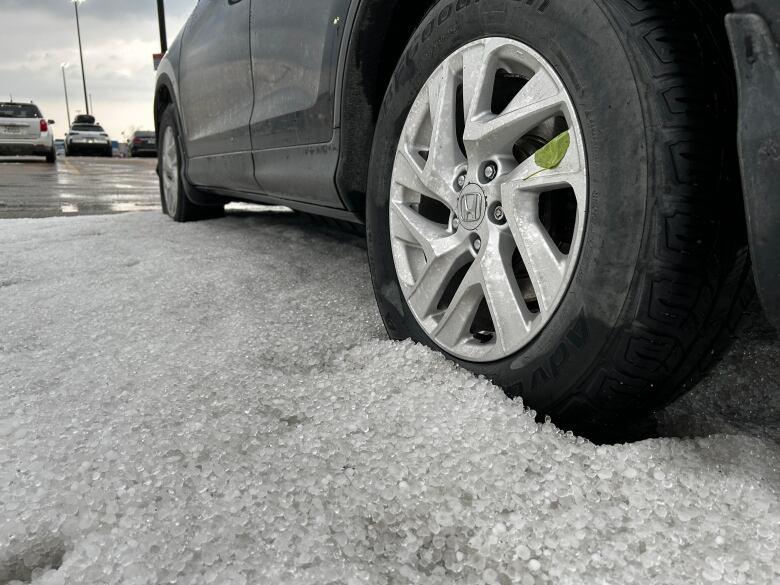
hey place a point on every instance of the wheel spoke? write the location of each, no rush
(532, 178)
(540, 88)
(435, 176)
(423, 232)
(408, 173)
(477, 67)
(445, 254)
(511, 316)
(452, 255)
(546, 265)
(539, 100)
(454, 325)
(426, 180)
(170, 151)
(444, 155)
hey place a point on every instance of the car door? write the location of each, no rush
(216, 95)
(295, 46)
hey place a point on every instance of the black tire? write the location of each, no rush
(51, 157)
(664, 255)
(186, 210)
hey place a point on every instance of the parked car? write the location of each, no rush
(25, 132)
(142, 143)
(551, 190)
(86, 137)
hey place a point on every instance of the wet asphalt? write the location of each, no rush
(30, 187)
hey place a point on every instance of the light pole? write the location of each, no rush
(161, 21)
(64, 66)
(81, 53)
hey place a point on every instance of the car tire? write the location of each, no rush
(662, 273)
(51, 157)
(173, 183)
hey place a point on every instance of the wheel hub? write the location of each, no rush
(472, 204)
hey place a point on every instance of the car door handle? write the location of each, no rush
(231, 2)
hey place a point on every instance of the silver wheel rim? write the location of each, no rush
(170, 171)
(484, 263)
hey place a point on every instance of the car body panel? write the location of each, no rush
(294, 62)
(24, 148)
(20, 129)
(311, 165)
(215, 115)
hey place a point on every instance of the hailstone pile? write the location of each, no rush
(218, 403)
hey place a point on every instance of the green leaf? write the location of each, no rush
(551, 154)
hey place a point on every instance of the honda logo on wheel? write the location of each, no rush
(471, 207)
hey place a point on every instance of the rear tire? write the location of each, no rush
(173, 183)
(662, 263)
(51, 157)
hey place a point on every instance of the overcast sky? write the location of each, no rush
(119, 38)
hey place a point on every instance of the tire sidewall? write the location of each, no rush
(579, 40)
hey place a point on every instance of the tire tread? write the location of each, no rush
(695, 283)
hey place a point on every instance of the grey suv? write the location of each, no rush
(562, 196)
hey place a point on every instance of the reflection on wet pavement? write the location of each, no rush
(77, 186)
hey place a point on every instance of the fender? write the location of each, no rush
(754, 32)
(166, 79)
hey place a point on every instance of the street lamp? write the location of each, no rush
(64, 66)
(81, 53)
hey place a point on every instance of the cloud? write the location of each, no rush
(119, 38)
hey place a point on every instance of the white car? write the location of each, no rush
(87, 138)
(24, 131)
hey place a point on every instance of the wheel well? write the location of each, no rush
(162, 99)
(379, 36)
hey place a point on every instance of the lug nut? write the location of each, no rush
(477, 244)
(455, 223)
(498, 213)
(491, 170)
(461, 181)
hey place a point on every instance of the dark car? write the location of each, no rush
(561, 196)
(142, 143)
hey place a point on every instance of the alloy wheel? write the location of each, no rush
(486, 227)
(170, 171)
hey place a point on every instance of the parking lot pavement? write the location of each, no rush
(30, 187)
